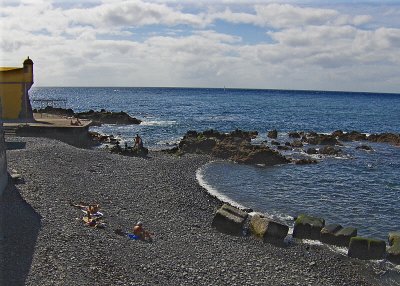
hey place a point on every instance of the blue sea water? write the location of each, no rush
(360, 189)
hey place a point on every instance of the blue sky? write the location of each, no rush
(318, 45)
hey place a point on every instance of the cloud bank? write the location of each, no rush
(265, 44)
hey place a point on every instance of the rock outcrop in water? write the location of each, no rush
(98, 117)
(235, 146)
(390, 138)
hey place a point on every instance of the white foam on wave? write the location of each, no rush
(158, 123)
(213, 191)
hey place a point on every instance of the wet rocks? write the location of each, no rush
(365, 148)
(235, 146)
(107, 117)
(294, 135)
(273, 134)
(311, 151)
(320, 139)
(349, 136)
(98, 117)
(305, 161)
(330, 151)
(308, 227)
(68, 112)
(390, 138)
(229, 220)
(296, 144)
(366, 248)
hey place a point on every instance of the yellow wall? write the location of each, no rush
(14, 86)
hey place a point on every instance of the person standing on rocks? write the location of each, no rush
(138, 142)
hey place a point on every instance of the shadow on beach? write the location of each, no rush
(20, 225)
(15, 145)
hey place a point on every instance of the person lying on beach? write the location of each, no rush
(93, 221)
(93, 209)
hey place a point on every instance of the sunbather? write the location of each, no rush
(140, 232)
(90, 220)
(92, 208)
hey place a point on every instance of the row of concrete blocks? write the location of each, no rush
(232, 221)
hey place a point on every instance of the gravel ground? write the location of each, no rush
(46, 242)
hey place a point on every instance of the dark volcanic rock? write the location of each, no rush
(390, 138)
(312, 151)
(320, 139)
(98, 117)
(108, 117)
(273, 134)
(249, 154)
(284, 147)
(330, 150)
(365, 147)
(294, 135)
(234, 146)
(305, 161)
(350, 136)
(56, 110)
(296, 144)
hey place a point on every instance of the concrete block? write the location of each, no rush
(365, 248)
(230, 220)
(269, 230)
(343, 236)
(393, 252)
(308, 227)
(328, 233)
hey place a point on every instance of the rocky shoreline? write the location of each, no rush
(97, 117)
(161, 190)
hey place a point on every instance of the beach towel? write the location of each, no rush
(96, 214)
(132, 236)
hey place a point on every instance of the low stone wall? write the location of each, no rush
(78, 136)
(3, 162)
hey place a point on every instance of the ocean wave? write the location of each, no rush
(158, 123)
(213, 191)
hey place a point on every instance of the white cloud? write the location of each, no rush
(99, 44)
(286, 16)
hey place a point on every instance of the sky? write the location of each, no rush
(311, 45)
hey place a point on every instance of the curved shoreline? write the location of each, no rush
(212, 191)
(161, 191)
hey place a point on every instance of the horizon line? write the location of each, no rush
(227, 88)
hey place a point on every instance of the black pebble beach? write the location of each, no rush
(46, 242)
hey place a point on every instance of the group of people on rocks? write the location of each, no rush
(93, 218)
(137, 149)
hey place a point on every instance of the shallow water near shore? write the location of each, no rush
(351, 192)
(360, 189)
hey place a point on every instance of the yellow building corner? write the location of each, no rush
(15, 83)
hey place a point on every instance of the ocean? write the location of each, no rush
(359, 189)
